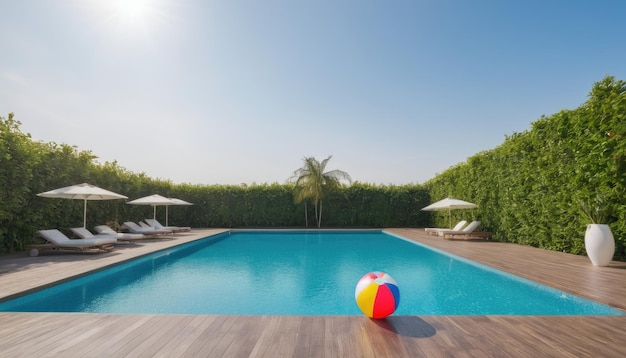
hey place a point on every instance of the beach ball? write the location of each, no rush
(377, 295)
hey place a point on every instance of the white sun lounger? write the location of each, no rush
(83, 233)
(436, 230)
(123, 236)
(157, 225)
(469, 232)
(136, 229)
(57, 240)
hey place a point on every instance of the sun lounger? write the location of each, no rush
(436, 230)
(469, 232)
(83, 233)
(57, 241)
(136, 229)
(157, 225)
(123, 236)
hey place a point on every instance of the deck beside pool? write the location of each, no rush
(111, 335)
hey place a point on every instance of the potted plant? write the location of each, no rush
(599, 241)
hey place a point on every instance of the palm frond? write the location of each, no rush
(312, 182)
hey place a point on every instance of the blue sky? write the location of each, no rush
(231, 92)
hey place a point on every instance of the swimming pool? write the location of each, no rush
(301, 273)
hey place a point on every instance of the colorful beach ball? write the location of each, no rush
(377, 295)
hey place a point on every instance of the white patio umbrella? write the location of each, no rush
(83, 192)
(176, 202)
(449, 204)
(154, 200)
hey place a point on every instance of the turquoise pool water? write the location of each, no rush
(301, 273)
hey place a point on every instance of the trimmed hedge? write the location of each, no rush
(530, 188)
(28, 167)
(271, 205)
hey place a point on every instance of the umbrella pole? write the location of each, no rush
(85, 214)
(154, 214)
(167, 215)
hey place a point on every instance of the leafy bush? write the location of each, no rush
(28, 167)
(529, 188)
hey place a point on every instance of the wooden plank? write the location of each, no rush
(221, 338)
(467, 236)
(185, 336)
(241, 338)
(164, 331)
(560, 336)
(112, 335)
(283, 332)
(207, 332)
(310, 342)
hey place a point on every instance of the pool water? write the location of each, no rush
(301, 273)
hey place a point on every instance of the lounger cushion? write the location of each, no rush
(122, 236)
(86, 234)
(59, 239)
(157, 225)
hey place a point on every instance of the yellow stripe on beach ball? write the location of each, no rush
(367, 298)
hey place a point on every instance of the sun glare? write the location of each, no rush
(133, 21)
(134, 12)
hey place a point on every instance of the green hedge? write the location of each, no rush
(530, 188)
(28, 167)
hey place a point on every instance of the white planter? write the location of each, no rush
(599, 244)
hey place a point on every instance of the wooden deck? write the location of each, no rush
(111, 335)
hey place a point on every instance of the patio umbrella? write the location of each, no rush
(83, 192)
(154, 200)
(449, 204)
(176, 202)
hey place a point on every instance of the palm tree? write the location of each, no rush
(312, 183)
